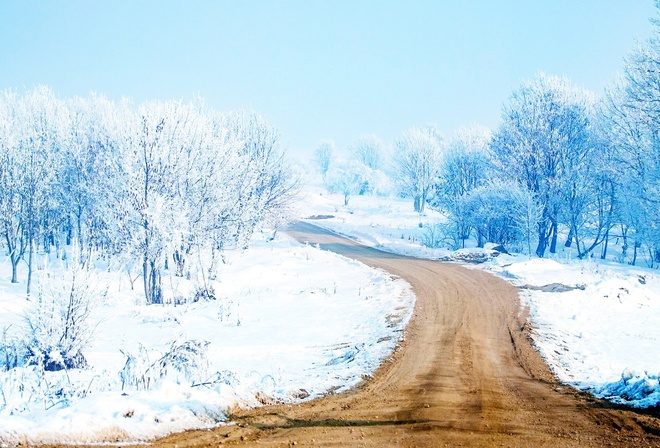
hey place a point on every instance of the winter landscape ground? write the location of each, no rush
(167, 266)
(291, 322)
(597, 328)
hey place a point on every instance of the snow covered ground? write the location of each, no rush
(290, 322)
(601, 334)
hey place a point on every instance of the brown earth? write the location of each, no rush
(466, 375)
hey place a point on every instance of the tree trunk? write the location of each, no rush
(418, 204)
(14, 258)
(624, 247)
(569, 240)
(30, 260)
(603, 255)
(543, 241)
(553, 241)
(14, 271)
(145, 279)
(152, 282)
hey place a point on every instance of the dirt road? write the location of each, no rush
(466, 375)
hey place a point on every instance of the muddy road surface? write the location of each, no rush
(466, 375)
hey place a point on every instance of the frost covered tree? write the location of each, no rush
(349, 179)
(368, 151)
(323, 156)
(147, 207)
(545, 133)
(11, 203)
(464, 166)
(154, 186)
(264, 187)
(466, 162)
(35, 122)
(87, 174)
(416, 164)
(492, 211)
(632, 117)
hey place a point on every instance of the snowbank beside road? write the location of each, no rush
(603, 336)
(289, 323)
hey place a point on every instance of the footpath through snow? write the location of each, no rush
(596, 324)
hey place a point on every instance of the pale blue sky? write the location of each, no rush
(320, 69)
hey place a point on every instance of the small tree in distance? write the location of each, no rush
(417, 160)
(323, 156)
(368, 151)
(348, 179)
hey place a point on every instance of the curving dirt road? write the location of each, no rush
(466, 375)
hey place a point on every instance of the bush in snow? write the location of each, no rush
(58, 325)
(183, 362)
(9, 351)
(496, 212)
(434, 236)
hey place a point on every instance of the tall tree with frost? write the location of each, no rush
(11, 203)
(41, 122)
(87, 174)
(544, 128)
(368, 151)
(323, 156)
(417, 161)
(349, 178)
(464, 166)
(150, 167)
(633, 114)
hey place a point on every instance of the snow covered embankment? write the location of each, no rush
(290, 323)
(596, 324)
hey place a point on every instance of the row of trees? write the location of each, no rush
(151, 187)
(363, 173)
(563, 167)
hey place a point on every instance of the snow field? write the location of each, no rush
(601, 335)
(290, 323)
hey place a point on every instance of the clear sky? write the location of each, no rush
(320, 69)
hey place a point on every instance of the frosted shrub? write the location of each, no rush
(433, 236)
(9, 351)
(58, 326)
(183, 362)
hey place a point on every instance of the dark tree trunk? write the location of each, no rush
(603, 255)
(569, 240)
(30, 261)
(553, 241)
(543, 241)
(418, 204)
